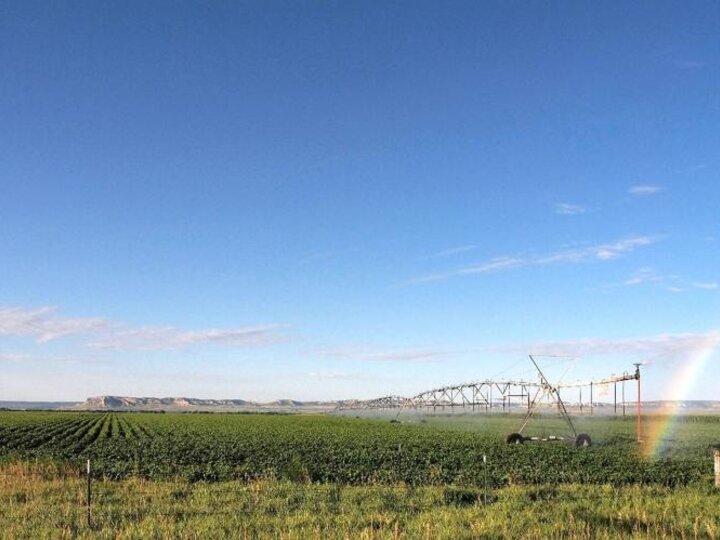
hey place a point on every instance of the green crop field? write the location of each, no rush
(350, 450)
(308, 475)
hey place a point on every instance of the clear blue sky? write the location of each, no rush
(348, 199)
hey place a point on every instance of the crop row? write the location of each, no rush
(325, 449)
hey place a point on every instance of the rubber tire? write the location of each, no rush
(582, 440)
(515, 438)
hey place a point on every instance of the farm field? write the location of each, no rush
(313, 476)
(357, 451)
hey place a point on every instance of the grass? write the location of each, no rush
(55, 508)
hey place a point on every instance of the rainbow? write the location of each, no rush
(660, 432)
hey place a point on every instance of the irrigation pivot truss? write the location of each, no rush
(489, 395)
(473, 394)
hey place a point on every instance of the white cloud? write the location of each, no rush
(691, 64)
(391, 355)
(44, 324)
(691, 168)
(684, 286)
(675, 289)
(567, 209)
(450, 252)
(669, 282)
(168, 337)
(337, 376)
(659, 347)
(14, 357)
(644, 275)
(494, 265)
(600, 252)
(643, 190)
(648, 275)
(708, 285)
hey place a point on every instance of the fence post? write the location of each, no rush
(716, 455)
(485, 480)
(89, 496)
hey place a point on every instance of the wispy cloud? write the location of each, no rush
(567, 209)
(705, 285)
(675, 289)
(691, 168)
(644, 190)
(600, 252)
(44, 324)
(681, 286)
(669, 282)
(338, 376)
(450, 252)
(691, 64)
(389, 355)
(657, 347)
(24, 358)
(644, 275)
(168, 337)
(14, 357)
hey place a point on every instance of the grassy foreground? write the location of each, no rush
(41, 506)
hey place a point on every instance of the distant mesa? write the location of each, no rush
(170, 404)
(124, 403)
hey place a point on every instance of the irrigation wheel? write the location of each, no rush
(515, 438)
(582, 440)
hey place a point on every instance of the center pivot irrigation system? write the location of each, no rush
(529, 395)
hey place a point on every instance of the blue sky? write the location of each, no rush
(325, 200)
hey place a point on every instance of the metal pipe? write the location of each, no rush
(581, 403)
(615, 398)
